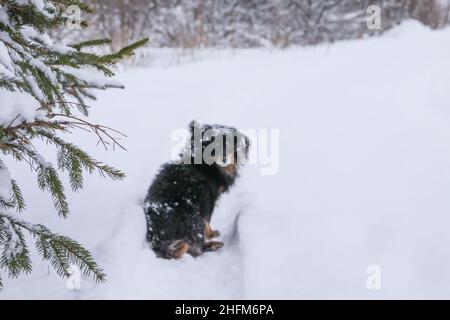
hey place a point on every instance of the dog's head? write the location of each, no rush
(219, 145)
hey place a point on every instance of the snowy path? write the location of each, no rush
(364, 176)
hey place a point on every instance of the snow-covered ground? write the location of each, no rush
(364, 176)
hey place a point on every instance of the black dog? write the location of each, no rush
(181, 199)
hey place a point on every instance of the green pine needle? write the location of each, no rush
(44, 73)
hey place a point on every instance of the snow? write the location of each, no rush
(92, 78)
(4, 19)
(14, 246)
(43, 8)
(18, 103)
(363, 179)
(35, 37)
(5, 183)
(5, 59)
(46, 70)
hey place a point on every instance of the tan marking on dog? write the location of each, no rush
(230, 169)
(179, 249)
(209, 232)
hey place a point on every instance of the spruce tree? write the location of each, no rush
(60, 78)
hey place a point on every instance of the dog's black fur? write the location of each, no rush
(182, 197)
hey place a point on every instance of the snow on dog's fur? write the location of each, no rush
(182, 197)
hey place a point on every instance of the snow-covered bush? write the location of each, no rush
(43, 88)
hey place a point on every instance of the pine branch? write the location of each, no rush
(14, 256)
(17, 198)
(60, 250)
(91, 43)
(100, 131)
(69, 151)
(126, 52)
(48, 179)
(58, 77)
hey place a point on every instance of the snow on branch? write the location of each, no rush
(44, 86)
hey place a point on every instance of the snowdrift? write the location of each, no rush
(364, 176)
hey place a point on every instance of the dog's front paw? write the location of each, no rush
(213, 246)
(213, 234)
(209, 232)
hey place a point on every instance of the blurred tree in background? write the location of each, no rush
(253, 23)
